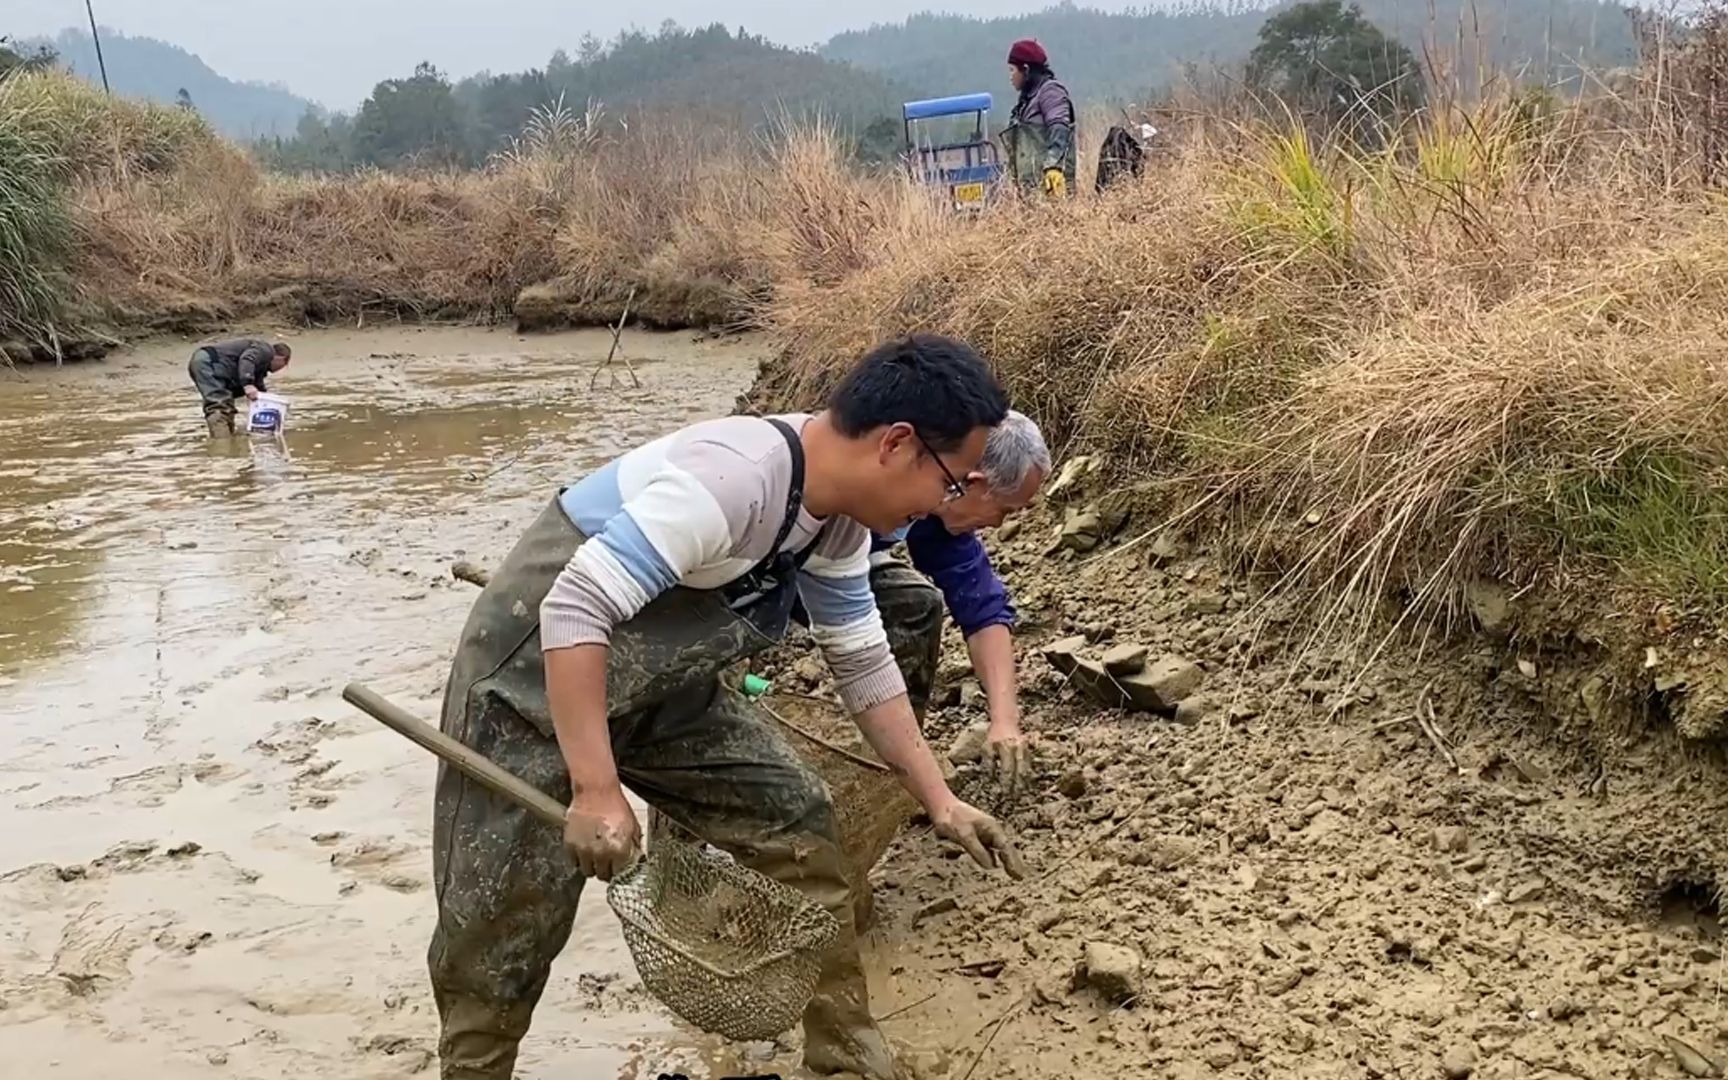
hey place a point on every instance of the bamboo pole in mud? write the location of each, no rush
(617, 334)
(459, 757)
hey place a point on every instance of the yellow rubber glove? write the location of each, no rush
(1055, 183)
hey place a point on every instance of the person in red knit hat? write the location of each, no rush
(1040, 135)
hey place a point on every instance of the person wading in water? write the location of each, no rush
(231, 369)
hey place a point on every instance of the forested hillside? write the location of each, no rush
(1127, 56)
(147, 68)
(711, 74)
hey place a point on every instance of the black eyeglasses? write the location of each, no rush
(955, 488)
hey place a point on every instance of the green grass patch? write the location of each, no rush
(35, 239)
(1658, 517)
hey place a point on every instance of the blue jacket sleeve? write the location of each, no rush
(961, 569)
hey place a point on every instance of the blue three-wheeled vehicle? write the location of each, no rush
(948, 146)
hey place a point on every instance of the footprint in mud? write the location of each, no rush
(409, 1053)
(316, 776)
(212, 773)
(134, 856)
(296, 741)
(91, 957)
(188, 943)
(300, 1001)
(610, 992)
(381, 862)
(316, 800)
(149, 788)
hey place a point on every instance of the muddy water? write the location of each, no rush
(211, 866)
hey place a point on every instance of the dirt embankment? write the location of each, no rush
(1322, 861)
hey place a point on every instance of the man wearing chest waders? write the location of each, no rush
(591, 661)
(232, 369)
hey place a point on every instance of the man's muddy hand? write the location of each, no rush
(602, 834)
(1008, 756)
(982, 836)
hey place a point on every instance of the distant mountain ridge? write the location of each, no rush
(1126, 56)
(148, 68)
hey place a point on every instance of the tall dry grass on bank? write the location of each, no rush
(142, 221)
(1494, 351)
(664, 210)
(57, 132)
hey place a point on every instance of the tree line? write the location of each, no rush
(725, 76)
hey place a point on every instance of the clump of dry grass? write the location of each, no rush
(669, 214)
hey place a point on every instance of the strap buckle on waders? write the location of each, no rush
(777, 567)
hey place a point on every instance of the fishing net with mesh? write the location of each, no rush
(728, 949)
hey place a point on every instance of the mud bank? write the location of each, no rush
(1291, 876)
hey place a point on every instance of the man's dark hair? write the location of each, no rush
(940, 386)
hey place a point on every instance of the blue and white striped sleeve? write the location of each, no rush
(672, 524)
(835, 587)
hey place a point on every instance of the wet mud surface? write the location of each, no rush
(212, 866)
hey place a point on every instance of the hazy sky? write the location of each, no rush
(335, 50)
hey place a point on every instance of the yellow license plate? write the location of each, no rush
(967, 193)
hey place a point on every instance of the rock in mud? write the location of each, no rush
(1458, 1062)
(929, 911)
(1068, 481)
(1110, 970)
(1064, 654)
(1281, 982)
(1207, 603)
(1165, 550)
(1526, 890)
(1451, 838)
(1193, 710)
(972, 694)
(1254, 879)
(1163, 685)
(1125, 659)
(1082, 531)
(472, 573)
(968, 746)
(1489, 606)
(1087, 676)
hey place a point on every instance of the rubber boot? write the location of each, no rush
(839, 1033)
(478, 1042)
(220, 425)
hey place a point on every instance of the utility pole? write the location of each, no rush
(96, 36)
